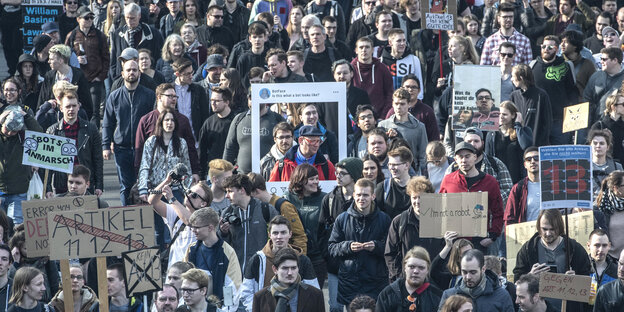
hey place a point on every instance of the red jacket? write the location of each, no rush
(290, 164)
(515, 212)
(455, 182)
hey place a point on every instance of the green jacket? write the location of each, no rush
(15, 177)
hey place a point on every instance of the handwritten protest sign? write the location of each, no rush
(439, 14)
(102, 232)
(565, 175)
(464, 213)
(49, 151)
(35, 214)
(142, 271)
(575, 117)
(476, 102)
(565, 287)
(35, 13)
(580, 225)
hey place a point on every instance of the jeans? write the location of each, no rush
(124, 160)
(97, 89)
(332, 285)
(12, 205)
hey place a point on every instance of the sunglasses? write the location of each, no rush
(530, 158)
(507, 55)
(194, 195)
(547, 47)
(89, 17)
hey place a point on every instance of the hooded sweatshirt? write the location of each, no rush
(557, 78)
(407, 64)
(376, 80)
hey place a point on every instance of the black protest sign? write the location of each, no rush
(143, 272)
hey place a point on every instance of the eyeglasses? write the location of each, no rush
(171, 96)
(341, 173)
(547, 47)
(194, 195)
(507, 55)
(78, 277)
(618, 104)
(484, 98)
(188, 290)
(217, 16)
(412, 306)
(313, 141)
(530, 158)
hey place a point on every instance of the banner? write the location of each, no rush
(576, 117)
(580, 225)
(464, 213)
(49, 151)
(566, 176)
(476, 102)
(565, 287)
(35, 214)
(35, 13)
(438, 14)
(100, 233)
(143, 272)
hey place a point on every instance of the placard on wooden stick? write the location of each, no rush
(438, 14)
(464, 213)
(49, 151)
(565, 286)
(102, 232)
(575, 117)
(35, 214)
(143, 271)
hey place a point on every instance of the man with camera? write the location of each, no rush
(244, 222)
(176, 215)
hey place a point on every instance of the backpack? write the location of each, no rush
(278, 206)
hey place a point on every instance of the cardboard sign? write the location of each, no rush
(438, 14)
(143, 271)
(35, 13)
(575, 117)
(49, 151)
(464, 213)
(581, 225)
(566, 176)
(476, 102)
(565, 287)
(102, 232)
(35, 214)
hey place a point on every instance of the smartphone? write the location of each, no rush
(552, 268)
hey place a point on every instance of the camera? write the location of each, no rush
(231, 218)
(178, 173)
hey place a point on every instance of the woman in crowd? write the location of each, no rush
(437, 162)
(372, 169)
(84, 297)
(145, 66)
(28, 291)
(190, 15)
(613, 119)
(473, 32)
(610, 201)
(28, 75)
(447, 266)
(194, 48)
(306, 195)
(457, 303)
(509, 142)
(601, 142)
(114, 17)
(11, 96)
(51, 280)
(162, 151)
(294, 26)
(231, 79)
(172, 50)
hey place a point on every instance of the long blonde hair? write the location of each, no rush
(109, 16)
(22, 278)
(470, 54)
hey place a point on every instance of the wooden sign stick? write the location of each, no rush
(102, 284)
(68, 297)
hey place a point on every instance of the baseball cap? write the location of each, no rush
(49, 27)
(128, 54)
(465, 146)
(609, 29)
(84, 11)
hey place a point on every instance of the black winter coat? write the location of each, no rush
(78, 79)
(534, 105)
(394, 298)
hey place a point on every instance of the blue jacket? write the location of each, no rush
(122, 116)
(361, 272)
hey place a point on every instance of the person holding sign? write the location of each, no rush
(523, 203)
(30, 291)
(85, 299)
(14, 177)
(479, 284)
(527, 295)
(469, 179)
(611, 295)
(411, 290)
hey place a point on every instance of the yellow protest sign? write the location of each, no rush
(464, 213)
(575, 117)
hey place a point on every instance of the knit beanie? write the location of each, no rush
(353, 165)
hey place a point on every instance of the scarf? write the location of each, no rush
(283, 294)
(193, 47)
(611, 203)
(476, 291)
